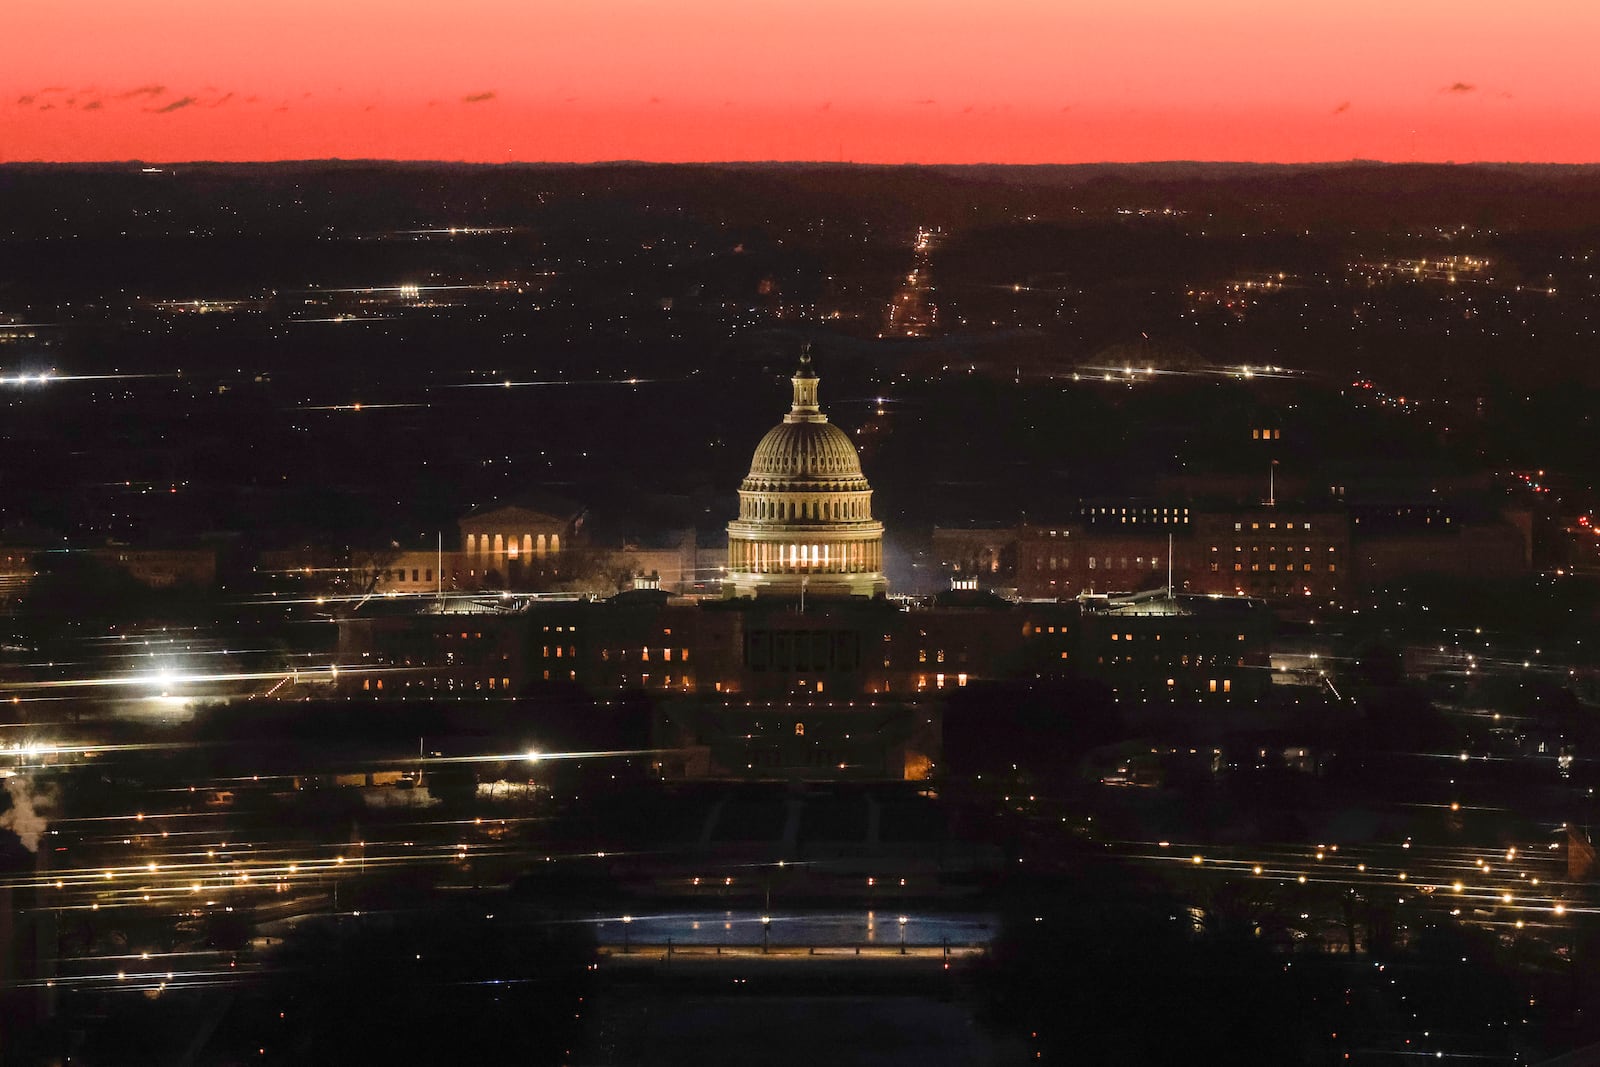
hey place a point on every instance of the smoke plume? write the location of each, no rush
(26, 818)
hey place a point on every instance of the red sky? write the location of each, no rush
(881, 81)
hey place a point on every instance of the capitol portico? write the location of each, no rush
(805, 521)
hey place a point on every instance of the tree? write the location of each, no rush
(368, 566)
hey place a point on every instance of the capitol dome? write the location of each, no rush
(805, 510)
(805, 449)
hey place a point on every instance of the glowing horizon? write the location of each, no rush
(937, 81)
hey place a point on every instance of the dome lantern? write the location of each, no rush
(805, 392)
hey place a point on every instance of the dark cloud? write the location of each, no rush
(223, 99)
(477, 98)
(1459, 87)
(1342, 108)
(569, 100)
(143, 90)
(47, 107)
(53, 89)
(926, 102)
(93, 105)
(24, 101)
(177, 105)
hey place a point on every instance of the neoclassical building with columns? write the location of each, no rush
(495, 538)
(805, 524)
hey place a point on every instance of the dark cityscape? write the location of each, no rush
(799, 613)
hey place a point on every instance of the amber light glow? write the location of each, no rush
(886, 82)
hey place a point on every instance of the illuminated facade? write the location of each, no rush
(805, 523)
(514, 538)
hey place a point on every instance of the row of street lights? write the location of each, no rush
(766, 934)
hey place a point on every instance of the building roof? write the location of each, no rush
(551, 512)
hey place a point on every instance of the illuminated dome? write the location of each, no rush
(805, 449)
(805, 510)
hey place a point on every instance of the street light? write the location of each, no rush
(902, 935)
(766, 933)
(627, 923)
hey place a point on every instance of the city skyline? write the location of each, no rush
(945, 82)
